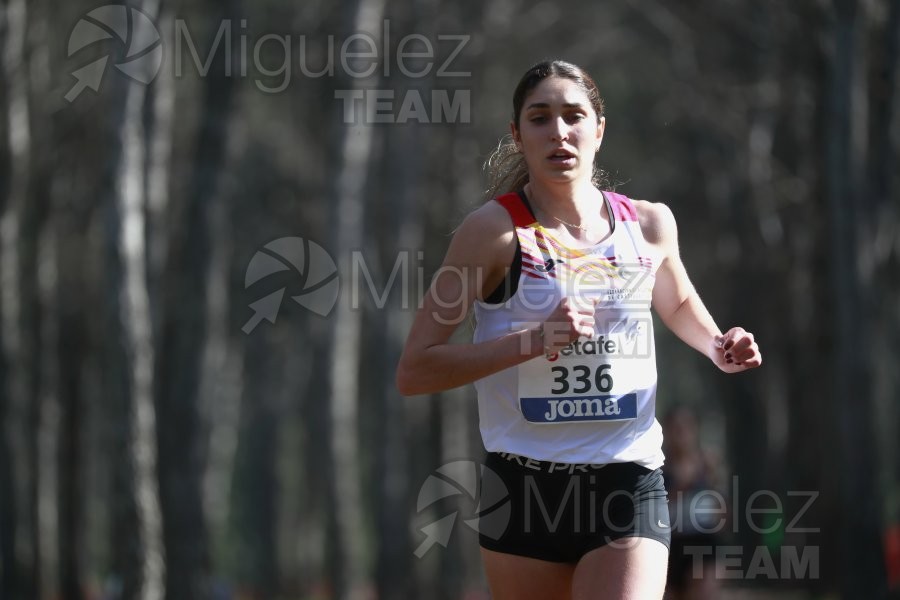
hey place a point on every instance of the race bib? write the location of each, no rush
(589, 380)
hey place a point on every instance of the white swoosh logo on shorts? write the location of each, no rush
(661, 524)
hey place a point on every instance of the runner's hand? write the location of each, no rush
(571, 319)
(735, 351)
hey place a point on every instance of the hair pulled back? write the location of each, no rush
(506, 167)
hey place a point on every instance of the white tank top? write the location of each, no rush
(594, 401)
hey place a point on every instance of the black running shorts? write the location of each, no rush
(559, 512)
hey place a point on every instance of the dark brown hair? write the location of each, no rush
(507, 171)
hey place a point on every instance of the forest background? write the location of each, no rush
(217, 218)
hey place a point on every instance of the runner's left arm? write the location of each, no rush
(679, 306)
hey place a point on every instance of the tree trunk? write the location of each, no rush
(401, 240)
(356, 148)
(183, 337)
(881, 229)
(862, 565)
(71, 352)
(137, 341)
(18, 241)
(254, 487)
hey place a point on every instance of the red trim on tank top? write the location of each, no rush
(520, 214)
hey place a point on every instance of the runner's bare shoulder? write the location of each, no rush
(656, 220)
(485, 240)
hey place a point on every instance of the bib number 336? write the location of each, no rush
(579, 379)
(576, 391)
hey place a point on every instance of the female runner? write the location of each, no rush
(562, 277)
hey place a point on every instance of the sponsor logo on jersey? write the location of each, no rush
(548, 265)
(589, 408)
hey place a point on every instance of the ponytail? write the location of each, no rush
(506, 169)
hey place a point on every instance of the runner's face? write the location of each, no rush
(558, 132)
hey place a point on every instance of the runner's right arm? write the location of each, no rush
(480, 252)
